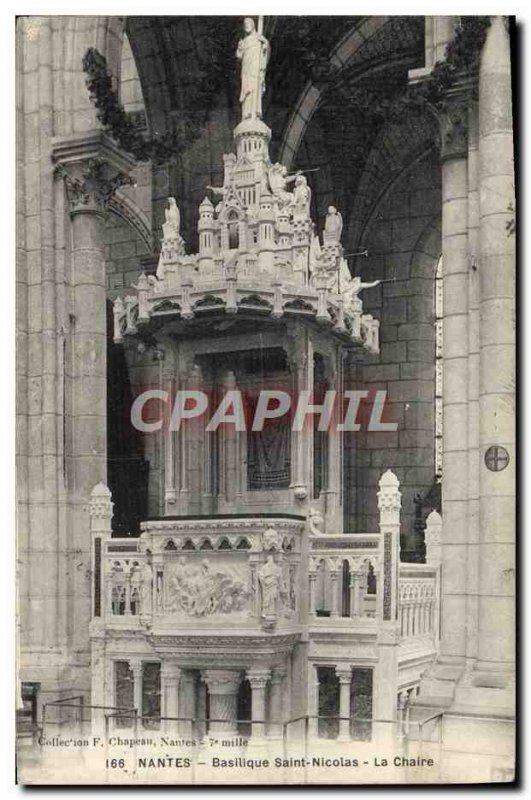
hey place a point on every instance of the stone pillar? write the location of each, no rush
(92, 169)
(229, 455)
(313, 701)
(188, 704)
(300, 356)
(389, 503)
(258, 679)
(333, 500)
(473, 387)
(454, 151)
(402, 703)
(432, 537)
(223, 694)
(358, 582)
(196, 434)
(312, 578)
(275, 703)
(170, 438)
(345, 676)
(170, 675)
(135, 665)
(334, 573)
(100, 510)
(497, 354)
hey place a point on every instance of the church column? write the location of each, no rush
(277, 683)
(171, 450)
(196, 433)
(170, 676)
(312, 578)
(332, 493)
(92, 169)
(497, 355)
(334, 573)
(345, 676)
(313, 701)
(453, 122)
(228, 472)
(473, 387)
(135, 665)
(223, 695)
(258, 679)
(300, 356)
(188, 704)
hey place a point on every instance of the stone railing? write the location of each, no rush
(418, 601)
(340, 570)
(201, 572)
(245, 571)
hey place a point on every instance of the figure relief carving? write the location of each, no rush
(253, 51)
(146, 596)
(270, 582)
(194, 589)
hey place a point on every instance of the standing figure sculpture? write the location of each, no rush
(146, 597)
(333, 226)
(253, 52)
(172, 224)
(302, 197)
(270, 579)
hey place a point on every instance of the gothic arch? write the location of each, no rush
(311, 95)
(127, 209)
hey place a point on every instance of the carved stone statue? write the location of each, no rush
(253, 52)
(278, 180)
(270, 579)
(171, 228)
(302, 196)
(351, 290)
(146, 596)
(333, 226)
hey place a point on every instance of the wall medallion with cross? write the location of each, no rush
(496, 458)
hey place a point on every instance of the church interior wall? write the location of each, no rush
(403, 241)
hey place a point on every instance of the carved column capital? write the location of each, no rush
(258, 678)
(93, 168)
(277, 675)
(344, 674)
(453, 127)
(221, 681)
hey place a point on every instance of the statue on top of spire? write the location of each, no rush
(253, 51)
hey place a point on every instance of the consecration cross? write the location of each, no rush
(496, 458)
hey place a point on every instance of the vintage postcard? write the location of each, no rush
(266, 422)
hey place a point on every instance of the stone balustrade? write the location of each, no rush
(204, 572)
(342, 577)
(418, 601)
